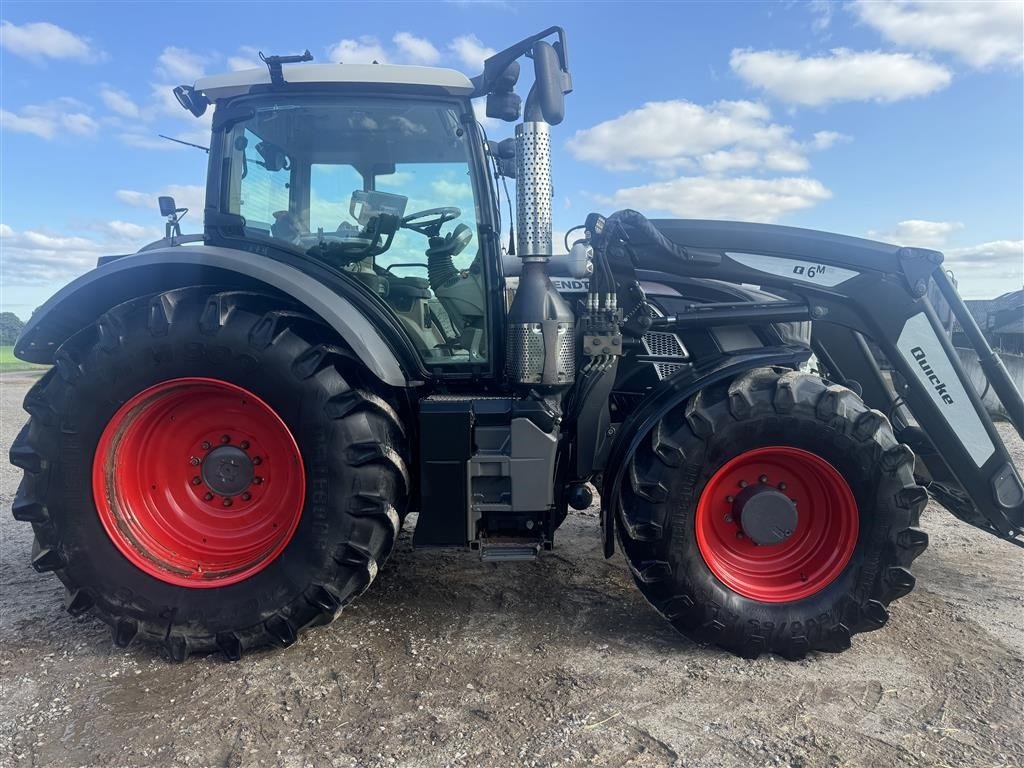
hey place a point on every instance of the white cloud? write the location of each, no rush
(247, 57)
(458, 191)
(980, 33)
(471, 52)
(725, 160)
(843, 75)
(127, 229)
(191, 196)
(416, 50)
(181, 64)
(828, 139)
(39, 126)
(744, 198)
(42, 40)
(119, 102)
(79, 123)
(34, 258)
(918, 233)
(987, 269)
(669, 135)
(50, 120)
(365, 50)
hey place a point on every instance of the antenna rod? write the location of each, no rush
(186, 143)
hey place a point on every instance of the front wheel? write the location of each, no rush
(203, 472)
(775, 513)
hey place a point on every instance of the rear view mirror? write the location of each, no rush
(167, 205)
(549, 82)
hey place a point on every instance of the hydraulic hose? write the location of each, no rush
(629, 222)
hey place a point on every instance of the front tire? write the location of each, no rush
(203, 472)
(775, 513)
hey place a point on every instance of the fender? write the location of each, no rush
(669, 395)
(83, 300)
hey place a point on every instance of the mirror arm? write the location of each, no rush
(495, 66)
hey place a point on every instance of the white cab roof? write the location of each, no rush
(237, 83)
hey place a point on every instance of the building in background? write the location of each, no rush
(1000, 319)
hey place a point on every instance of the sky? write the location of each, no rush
(899, 121)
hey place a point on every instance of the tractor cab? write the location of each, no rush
(389, 188)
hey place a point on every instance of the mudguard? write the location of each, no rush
(669, 395)
(83, 300)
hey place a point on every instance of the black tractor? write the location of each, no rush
(236, 424)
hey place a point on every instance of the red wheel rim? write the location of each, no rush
(814, 553)
(198, 482)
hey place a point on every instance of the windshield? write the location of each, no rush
(379, 188)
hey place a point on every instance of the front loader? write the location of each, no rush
(236, 424)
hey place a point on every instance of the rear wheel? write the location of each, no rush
(775, 513)
(203, 472)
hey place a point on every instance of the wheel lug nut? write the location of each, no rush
(197, 480)
(206, 445)
(730, 499)
(257, 460)
(246, 496)
(763, 479)
(194, 461)
(782, 486)
(257, 480)
(225, 438)
(227, 502)
(744, 483)
(244, 445)
(739, 534)
(208, 496)
(728, 518)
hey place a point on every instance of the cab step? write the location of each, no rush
(503, 551)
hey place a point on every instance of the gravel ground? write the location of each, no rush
(448, 661)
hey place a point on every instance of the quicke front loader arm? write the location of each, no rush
(856, 290)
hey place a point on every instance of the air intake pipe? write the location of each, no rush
(541, 344)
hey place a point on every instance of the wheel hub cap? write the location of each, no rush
(198, 482)
(227, 470)
(766, 515)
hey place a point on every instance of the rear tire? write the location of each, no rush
(352, 492)
(690, 576)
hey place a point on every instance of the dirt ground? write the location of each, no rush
(449, 661)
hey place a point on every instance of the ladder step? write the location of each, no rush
(509, 552)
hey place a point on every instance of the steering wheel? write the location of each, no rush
(429, 222)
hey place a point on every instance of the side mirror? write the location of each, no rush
(549, 82)
(167, 205)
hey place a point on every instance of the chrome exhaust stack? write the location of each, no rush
(541, 343)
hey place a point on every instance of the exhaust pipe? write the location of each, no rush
(541, 343)
(533, 188)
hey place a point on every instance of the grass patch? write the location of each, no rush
(10, 364)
